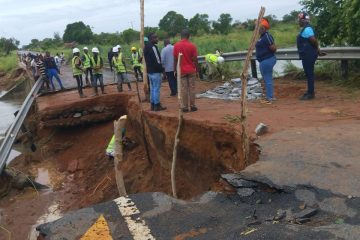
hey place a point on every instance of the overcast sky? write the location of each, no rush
(28, 19)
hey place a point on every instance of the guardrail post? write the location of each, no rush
(253, 69)
(345, 69)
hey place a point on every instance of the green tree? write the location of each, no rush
(78, 32)
(173, 23)
(291, 17)
(130, 35)
(328, 20)
(199, 23)
(351, 14)
(8, 44)
(223, 24)
(148, 30)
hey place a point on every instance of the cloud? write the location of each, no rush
(26, 20)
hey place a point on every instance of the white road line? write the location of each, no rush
(138, 228)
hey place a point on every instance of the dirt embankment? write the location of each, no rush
(7, 81)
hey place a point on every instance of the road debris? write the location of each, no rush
(261, 129)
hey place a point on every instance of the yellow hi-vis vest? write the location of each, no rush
(87, 60)
(118, 63)
(211, 58)
(135, 60)
(96, 66)
(76, 71)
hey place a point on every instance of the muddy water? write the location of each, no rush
(7, 109)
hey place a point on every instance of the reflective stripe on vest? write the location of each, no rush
(75, 70)
(87, 61)
(96, 66)
(118, 63)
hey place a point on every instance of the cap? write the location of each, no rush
(85, 48)
(304, 16)
(76, 50)
(95, 50)
(115, 49)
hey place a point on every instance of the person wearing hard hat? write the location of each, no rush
(136, 62)
(309, 50)
(97, 64)
(120, 67)
(213, 62)
(87, 66)
(265, 54)
(78, 69)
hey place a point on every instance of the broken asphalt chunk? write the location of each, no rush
(245, 192)
(236, 181)
(307, 213)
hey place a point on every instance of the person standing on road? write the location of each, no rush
(58, 61)
(188, 67)
(154, 69)
(120, 67)
(136, 62)
(167, 58)
(52, 71)
(110, 56)
(87, 66)
(265, 54)
(77, 68)
(97, 64)
(41, 72)
(308, 48)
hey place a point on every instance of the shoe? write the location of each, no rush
(152, 107)
(158, 107)
(193, 108)
(307, 96)
(172, 94)
(82, 96)
(266, 101)
(103, 92)
(94, 95)
(185, 109)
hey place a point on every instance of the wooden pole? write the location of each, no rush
(177, 136)
(145, 76)
(244, 75)
(118, 158)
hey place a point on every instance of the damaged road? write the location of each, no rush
(310, 191)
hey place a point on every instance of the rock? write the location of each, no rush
(84, 113)
(302, 206)
(302, 220)
(245, 192)
(261, 129)
(253, 81)
(236, 81)
(280, 214)
(77, 115)
(99, 109)
(258, 201)
(307, 213)
(236, 181)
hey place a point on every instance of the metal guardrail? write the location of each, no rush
(332, 53)
(11, 134)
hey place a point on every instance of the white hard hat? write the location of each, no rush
(85, 48)
(118, 46)
(95, 50)
(221, 60)
(115, 49)
(76, 50)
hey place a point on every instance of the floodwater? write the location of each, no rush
(7, 109)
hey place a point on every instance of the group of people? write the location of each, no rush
(165, 62)
(91, 66)
(46, 67)
(308, 48)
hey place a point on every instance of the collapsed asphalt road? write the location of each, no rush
(305, 192)
(266, 214)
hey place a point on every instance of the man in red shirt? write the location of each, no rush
(188, 70)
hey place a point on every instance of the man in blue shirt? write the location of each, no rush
(308, 48)
(167, 58)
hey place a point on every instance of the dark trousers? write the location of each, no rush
(98, 78)
(309, 65)
(138, 72)
(88, 71)
(172, 82)
(79, 82)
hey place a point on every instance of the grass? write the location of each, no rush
(8, 63)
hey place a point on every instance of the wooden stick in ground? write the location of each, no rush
(244, 75)
(145, 77)
(177, 136)
(118, 158)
